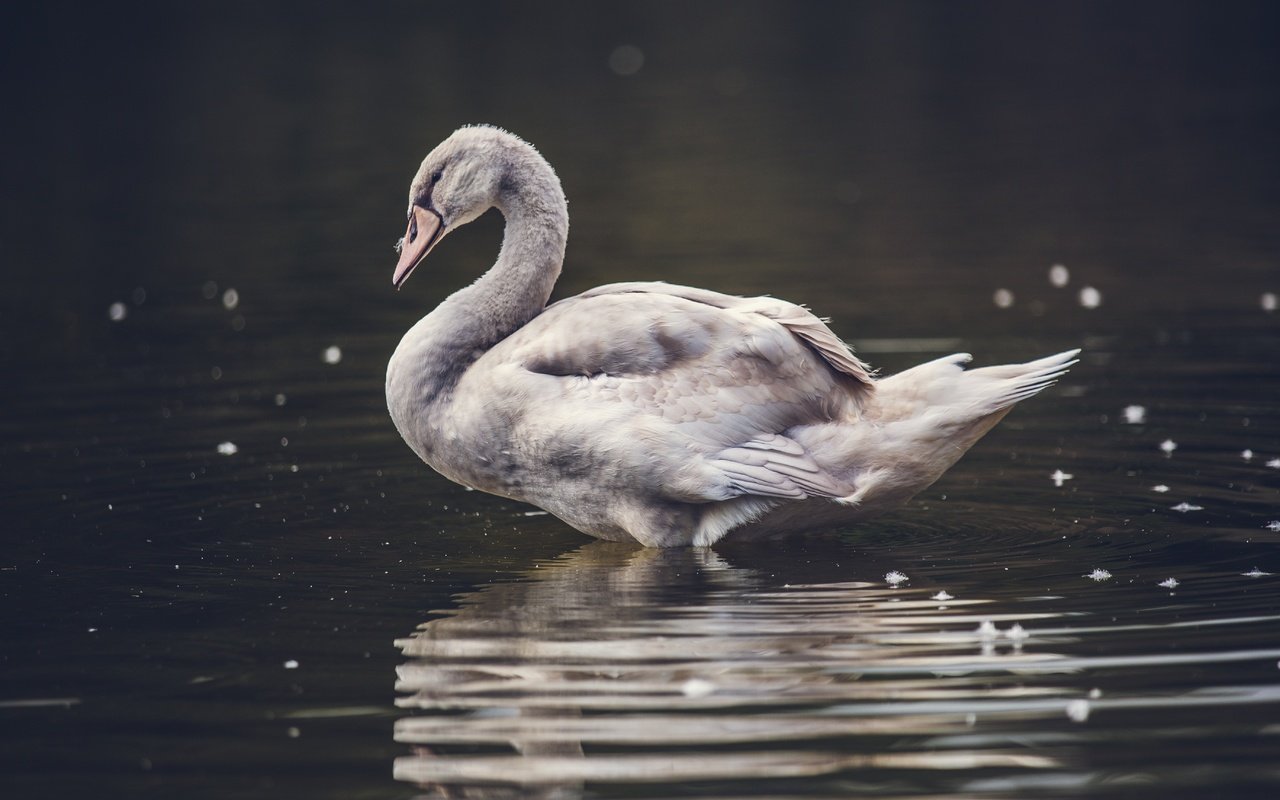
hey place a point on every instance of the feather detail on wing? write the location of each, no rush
(772, 465)
(801, 322)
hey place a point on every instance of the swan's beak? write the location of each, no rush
(425, 227)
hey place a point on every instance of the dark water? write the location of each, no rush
(317, 615)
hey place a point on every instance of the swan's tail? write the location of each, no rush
(922, 421)
(1003, 386)
(944, 384)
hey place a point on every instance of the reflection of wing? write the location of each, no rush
(692, 373)
(625, 665)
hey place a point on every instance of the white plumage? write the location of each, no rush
(663, 414)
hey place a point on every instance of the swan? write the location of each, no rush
(651, 412)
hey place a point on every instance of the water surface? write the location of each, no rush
(199, 208)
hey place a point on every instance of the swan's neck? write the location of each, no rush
(436, 352)
(516, 288)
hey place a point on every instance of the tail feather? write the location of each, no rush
(1008, 384)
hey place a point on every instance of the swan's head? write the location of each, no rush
(463, 177)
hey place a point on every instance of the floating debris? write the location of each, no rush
(332, 354)
(117, 312)
(987, 630)
(1059, 275)
(894, 578)
(1059, 477)
(230, 299)
(1273, 525)
(1269, 301)
(1099, 575)
(1160, 487)
(1078, 710)
(1135, 415)
(1255, 573)
(1184, 507)
(1003, 298)
(943, 596)
(281, 399)
(1090, 297)
(1247, 455)
(291, 664)
(293, 733)
(1017, 634)
(1169, 583)
(1168, 446)
(228, 448)
(697, 687)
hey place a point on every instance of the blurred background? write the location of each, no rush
(829, 153)
(198, 203)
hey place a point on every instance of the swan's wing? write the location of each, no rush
(697, 395)
(801, 322)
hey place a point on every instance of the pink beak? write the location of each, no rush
(425, 227)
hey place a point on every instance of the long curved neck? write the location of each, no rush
(516, 288)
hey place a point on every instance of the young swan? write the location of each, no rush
(663, 414)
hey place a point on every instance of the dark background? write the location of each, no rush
(889, 164)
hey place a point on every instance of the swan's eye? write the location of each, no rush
(413, 230)
(436, 176)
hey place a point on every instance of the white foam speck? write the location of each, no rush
(1168, 446)
(1090, 297)
(987, 630)
(291, 664)
(1274, 463)
(230, 299)
(1160, 487)
(1059, 477)
(117, 312)
(1099, 575)
(1017, 634)
(1255, 573)
(1059, 275)
(943, 596)
(332, 354)
(1269, 301)
(293, 733)
(1078, 710)
(228, 448)
(281, 399)
(1247, 455)
(1135, 415)
(1003, 298)
(1273, 525)
(697, 687)
(894, 578)
(1169, 583)
(1184, 507)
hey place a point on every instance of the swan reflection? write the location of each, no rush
(616, 663)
